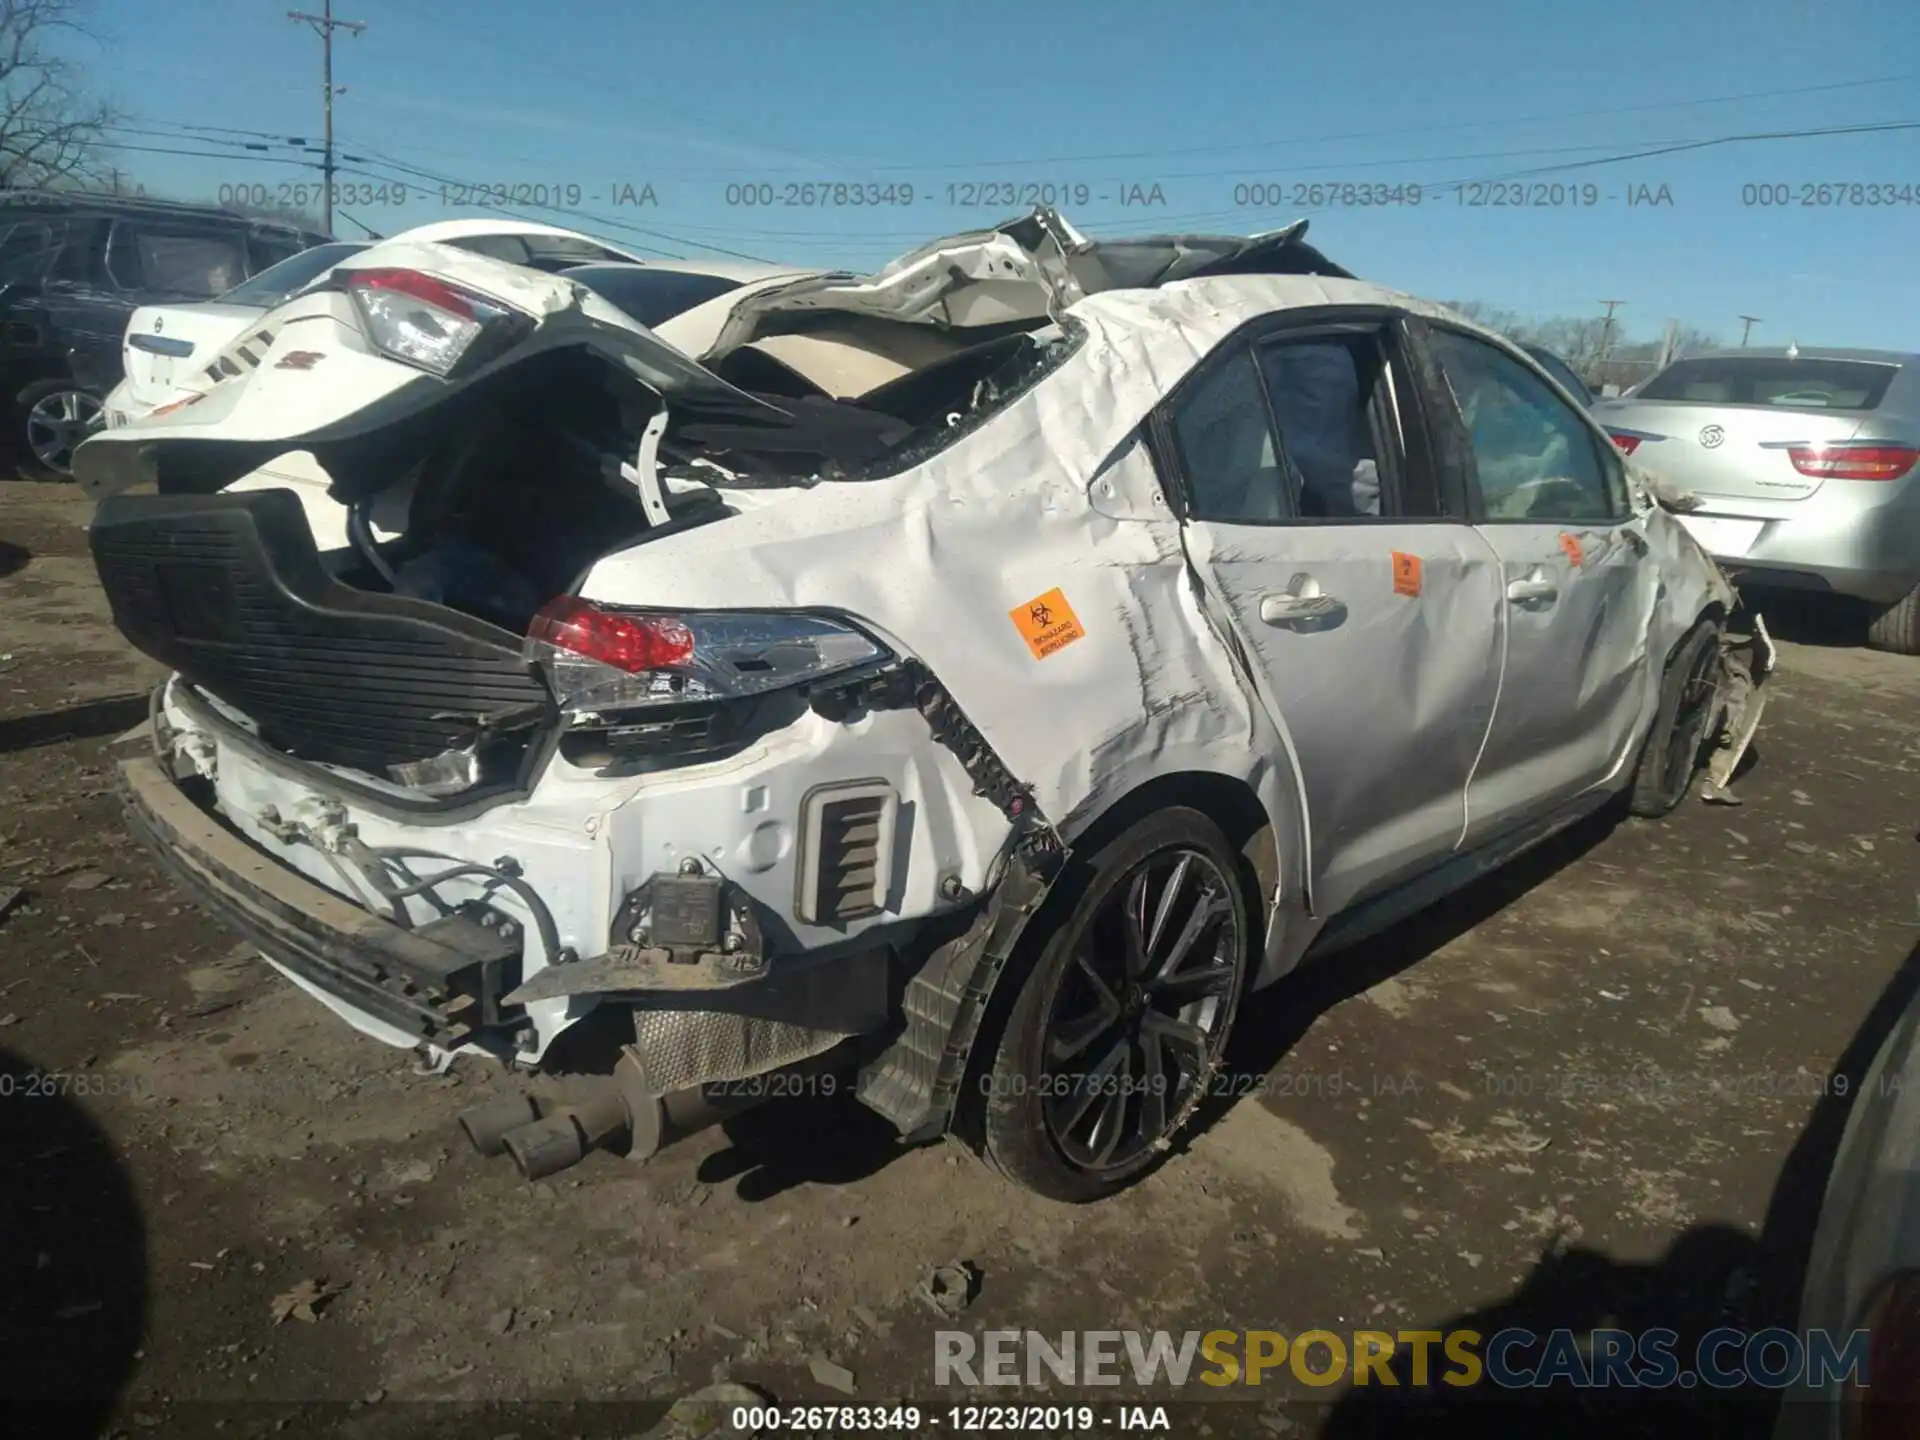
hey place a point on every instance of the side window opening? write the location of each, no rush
(1224, 435)
(1535, 458)
(1324, 393)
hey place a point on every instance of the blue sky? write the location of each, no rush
(1203, 118)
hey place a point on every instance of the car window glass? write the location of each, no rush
(510, 248)
(269, 249)
(76, 255)
(25, 252)
(175, 262)
(1534, 456)
(651, 296)
(1225, 439)
(1321, 390)
(276, 283)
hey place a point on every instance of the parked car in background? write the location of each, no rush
(73, 268)
(1804, 463)
(687, 301)
(1560, 370)
(972, 674)
(162, 340)
(165, 340)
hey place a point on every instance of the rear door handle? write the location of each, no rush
(1301, 600)
(1536, 588)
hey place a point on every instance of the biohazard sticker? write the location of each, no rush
(1571, 544)
(1047, 623)
(1406, 573)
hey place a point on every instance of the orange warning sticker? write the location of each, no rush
(1571, 544)
(1047, 623)
(1406, 573)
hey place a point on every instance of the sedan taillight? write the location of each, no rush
(600, 658)
(423, 320)
(1853, 462)
(1627, 443)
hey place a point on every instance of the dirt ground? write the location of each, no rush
(1596, 1086)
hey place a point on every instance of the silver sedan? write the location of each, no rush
(1804, 463)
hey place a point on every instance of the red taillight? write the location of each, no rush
(633, 643)
(417, 286)
(1627, 443)
(1854, 462)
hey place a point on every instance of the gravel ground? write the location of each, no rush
(1596, 1086)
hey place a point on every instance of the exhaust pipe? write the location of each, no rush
(544, 1139)
(563, 1139)
(486, 1126)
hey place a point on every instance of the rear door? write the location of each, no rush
(1371, 624)
(1551, 498)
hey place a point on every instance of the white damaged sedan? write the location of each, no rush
(969, 680)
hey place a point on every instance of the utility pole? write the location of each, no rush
(324, 25)
(1751, 321)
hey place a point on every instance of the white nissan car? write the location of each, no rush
(976, 675)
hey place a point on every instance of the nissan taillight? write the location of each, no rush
(424, 321)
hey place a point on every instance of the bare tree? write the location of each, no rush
(51, 129)
(1690, 341)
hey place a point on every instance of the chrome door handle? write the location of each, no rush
(1533, 588)
(1285, 609)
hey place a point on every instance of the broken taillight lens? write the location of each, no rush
(1853, 462)
(427, 322)
(600, 657)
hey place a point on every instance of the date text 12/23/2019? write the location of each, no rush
(823, 1420)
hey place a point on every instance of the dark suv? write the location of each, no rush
(72, 269)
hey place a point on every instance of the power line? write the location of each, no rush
(438, 179)
(1419, 130)
(324, 25)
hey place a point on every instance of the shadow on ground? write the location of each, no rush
(87, 721)
(13, 558)
(1711, 1276)
(1273, 1021)
(73, 1248)
(1805, 618)
(806, 1140)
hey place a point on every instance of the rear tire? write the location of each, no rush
(53, 417)
(1896, 629)
(1117, 1029)
(1688, 695)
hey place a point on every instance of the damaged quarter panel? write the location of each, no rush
(1026, 566)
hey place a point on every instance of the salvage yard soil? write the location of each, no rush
(1598, 1088)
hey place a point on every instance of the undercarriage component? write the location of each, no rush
(686, 931)
(1745, 677)
(916, 1081)
(486, 1125)
(441, 982)
(622, 1110)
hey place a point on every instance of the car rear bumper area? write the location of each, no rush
(441, 982)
